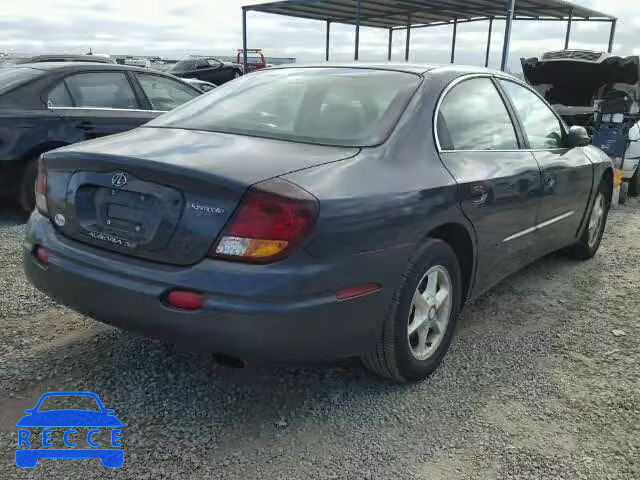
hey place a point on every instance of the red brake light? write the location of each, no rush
(274, 217)
(42, 255)
(185, 300)
(41, 187)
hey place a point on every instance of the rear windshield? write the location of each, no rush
(329, 106)
(11, 77)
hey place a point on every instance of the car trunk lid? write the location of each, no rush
(165, 194)
(556, 77)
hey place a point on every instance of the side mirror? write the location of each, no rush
(109, 411)
(578, 137)
(29, 410)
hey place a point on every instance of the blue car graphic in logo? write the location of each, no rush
(97, 429)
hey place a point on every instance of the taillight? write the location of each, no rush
(274, 217)
(41, 187)
(186, 299)
(42, 254)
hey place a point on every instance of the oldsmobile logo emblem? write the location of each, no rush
(119, 180)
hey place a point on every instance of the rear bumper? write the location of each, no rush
(281, 312)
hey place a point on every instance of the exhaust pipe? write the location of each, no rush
(228, 361)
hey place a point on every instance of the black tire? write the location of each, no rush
(624, 193)
(634, 184)
(392, 357)
(584, 249)
(26, 194)
(237, 74)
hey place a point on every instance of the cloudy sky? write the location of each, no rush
(181, 27)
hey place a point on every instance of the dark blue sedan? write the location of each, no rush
(47, 105)
(318, 212)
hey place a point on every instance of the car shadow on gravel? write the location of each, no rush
(11, 214)
(188, 404)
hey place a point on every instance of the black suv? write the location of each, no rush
(48, 105)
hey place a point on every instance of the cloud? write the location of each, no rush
(214, 27)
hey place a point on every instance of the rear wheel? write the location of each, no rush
(589, 243)
(26, 194)
(418, 330)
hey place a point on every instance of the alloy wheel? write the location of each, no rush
(430, 312)
(596, 220)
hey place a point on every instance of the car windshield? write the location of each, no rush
(66, 402)
(11, 77)
(329, 106)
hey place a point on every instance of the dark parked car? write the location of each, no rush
(47, 105)
(308, 213)
(18, 60)
(208, 69)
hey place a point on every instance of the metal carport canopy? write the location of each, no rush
(395, 15)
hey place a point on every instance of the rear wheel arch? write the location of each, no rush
(28, 172)
(461, 241)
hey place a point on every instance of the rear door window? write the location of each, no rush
(542, 127)
(101, 90)
(164, 93)
(473, 116)
(59, 97)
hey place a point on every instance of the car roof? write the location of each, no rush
(48, 66)
(97, 58)
(402, 67)
(418, 68)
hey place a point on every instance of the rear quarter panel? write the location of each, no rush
(387, 198)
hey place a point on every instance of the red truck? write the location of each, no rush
(255, 59)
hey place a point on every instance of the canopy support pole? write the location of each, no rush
(326, 44)
(453, 40)
(355, 56)
(486, 57)
(389, 46)
(612, 35)
(406, 46)
(568, 36)
(507, 34)
(244, 40)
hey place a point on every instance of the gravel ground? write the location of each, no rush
(536, 385)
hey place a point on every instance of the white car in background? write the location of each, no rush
(576, 82)
(632, 158)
